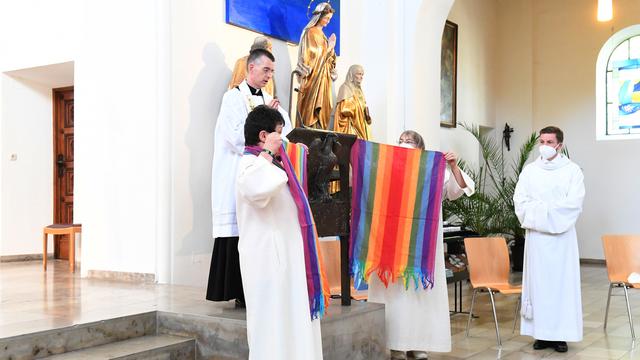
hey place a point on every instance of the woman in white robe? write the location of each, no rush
(279, 324)
(548, 200)
(418, 320)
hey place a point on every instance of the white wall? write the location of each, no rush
(26, 183)
(566, 40)
(477, 68)
(122, 164)
(514, 72)
(33, 35)
(37, 32)
(118, 97)
(203, 52)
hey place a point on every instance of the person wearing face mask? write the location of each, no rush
(225, 282)
(417, 321)
(272, 258)
(548, 200)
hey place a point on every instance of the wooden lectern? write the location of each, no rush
(327, 151)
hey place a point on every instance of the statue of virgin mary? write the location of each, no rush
(316, 69)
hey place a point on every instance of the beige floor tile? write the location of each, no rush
(491, 354)
(593, 324)
(633, 354)
(523, 356)
(462, 353)
(440, 356)
(614, 343)
(623, 330)
(560, 356)
(603, 353)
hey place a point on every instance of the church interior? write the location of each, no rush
(105, 248)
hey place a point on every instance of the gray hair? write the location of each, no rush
(415, 137)
(261, 42)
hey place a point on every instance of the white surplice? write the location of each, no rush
(272, 262)
(548, 200)
(228, 148)
(419, 319)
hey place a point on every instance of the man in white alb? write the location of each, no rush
(548, 200)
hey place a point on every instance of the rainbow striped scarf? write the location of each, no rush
(294, 163)
(297, 154)
(395, 213)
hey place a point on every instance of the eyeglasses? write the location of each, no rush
(406, 141)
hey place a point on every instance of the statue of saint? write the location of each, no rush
(240, 69)
(352, 113)
(316, 70)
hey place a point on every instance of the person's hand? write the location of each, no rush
(332, 41)
(452, 158)
(273, 142)
(274, 103)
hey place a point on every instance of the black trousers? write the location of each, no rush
(225, 281)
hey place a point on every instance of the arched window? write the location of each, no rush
(618, 86)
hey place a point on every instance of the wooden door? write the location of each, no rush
(62, 165)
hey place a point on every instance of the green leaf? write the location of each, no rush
(490, 211)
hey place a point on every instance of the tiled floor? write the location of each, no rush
(31, 300)
(614, 344)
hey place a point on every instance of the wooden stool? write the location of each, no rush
(61, 229)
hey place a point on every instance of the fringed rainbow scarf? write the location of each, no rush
(294, 163)
(395, 213)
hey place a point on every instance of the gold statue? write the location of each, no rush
(352, 113)
(240, 69)
(316, 70)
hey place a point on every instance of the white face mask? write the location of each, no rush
(547, 152)
(407, 146)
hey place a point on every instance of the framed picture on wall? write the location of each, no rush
(448, 73)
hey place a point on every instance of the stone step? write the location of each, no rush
(152, 347)
(77, 337)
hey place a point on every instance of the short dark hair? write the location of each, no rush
(259, 119)
(553, 130)
(257, 54)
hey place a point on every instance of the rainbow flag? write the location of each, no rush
(294, 162)
(395, 213)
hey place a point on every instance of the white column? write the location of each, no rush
(164, 148)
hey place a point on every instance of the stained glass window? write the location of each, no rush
(622, 86)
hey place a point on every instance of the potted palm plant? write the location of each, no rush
(490, 211)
